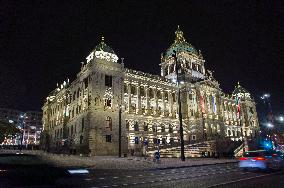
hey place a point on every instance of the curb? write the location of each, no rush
(165, 168)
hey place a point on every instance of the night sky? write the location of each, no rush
(43, 42)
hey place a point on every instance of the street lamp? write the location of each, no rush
(179, 109)
(269, 125)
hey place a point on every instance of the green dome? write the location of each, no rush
(180, 45)
(103, 47)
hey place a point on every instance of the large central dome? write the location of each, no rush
(180, 45)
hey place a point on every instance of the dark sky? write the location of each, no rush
(43, 42)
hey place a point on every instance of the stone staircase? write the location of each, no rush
(190, 150)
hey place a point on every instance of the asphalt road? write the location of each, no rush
(210, 176)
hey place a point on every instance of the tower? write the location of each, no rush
(107, 76)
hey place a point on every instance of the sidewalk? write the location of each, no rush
(128, 163)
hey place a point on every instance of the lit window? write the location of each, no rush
(136, 126)
(136, 140)
(109, 123)
(108, 138)
(108, 102)
(108, 81)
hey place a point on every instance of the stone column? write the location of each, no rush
(129, 97)
(138, 102)
(156, 101)
(189, 104)
(164, 102)
(147, 99)
(170, 98)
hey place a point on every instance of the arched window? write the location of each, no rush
(170, 128)
(154, 127)
(136, 126)
(151, 93)
(145, 126)
(142, 91)
(166, 95)
(78, 92)
(81, 139)
(127, 125)
(163, 128)
(109, 123)
(97, 101)
(74, 95)
(229, 133)
(159, 95)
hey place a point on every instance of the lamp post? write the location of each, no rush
(179, 109)
(23, 129)
(119, 131)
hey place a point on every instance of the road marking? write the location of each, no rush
(105, 186)
(88, 179)
(114, 185)
(129, 176)
(125, 184)
(243, 179)
(245, 173)
(140, 175)
(101, 178)
(115, 177)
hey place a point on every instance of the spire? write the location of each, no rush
(179, 36)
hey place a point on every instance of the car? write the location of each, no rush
(27, 170)
(262, 160)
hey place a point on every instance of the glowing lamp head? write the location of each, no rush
(270, 125)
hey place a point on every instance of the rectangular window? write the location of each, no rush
(145, 126)
(136, 126)
(108, 81)
(193, 137)
(86, 82)
(163, 140)
(136, 140)
(174, 97)
(108, 102)
(127, 125)
(108, 138)
(155, 140)
(83, 124)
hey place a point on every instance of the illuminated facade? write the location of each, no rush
(84, 114)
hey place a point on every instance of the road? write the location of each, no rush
(210, 176)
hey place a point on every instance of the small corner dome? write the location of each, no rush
(241, 92)
(103, 51)
(180, 45)
(104, 47)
